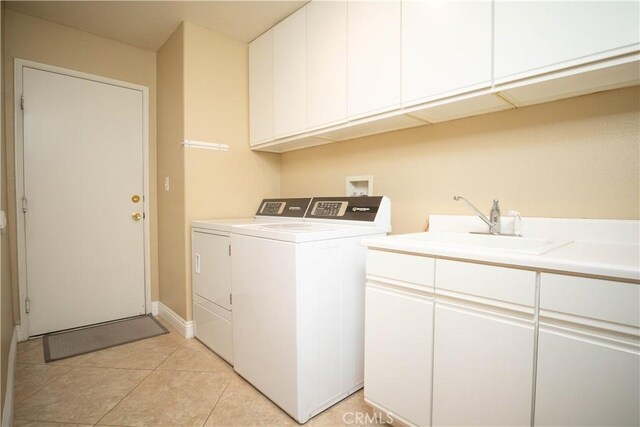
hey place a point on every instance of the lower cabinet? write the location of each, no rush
(482, 367)
(583, 380)
(454, 343)
(588, 370)
(398, 348)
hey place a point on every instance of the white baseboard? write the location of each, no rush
(7, 410)
(185, 327)
(154, 308)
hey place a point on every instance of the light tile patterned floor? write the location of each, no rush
(161, 381)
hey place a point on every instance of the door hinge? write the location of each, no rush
(231, 299)
(27, 305)
(22, 102)
(24, 204)
(229, 250)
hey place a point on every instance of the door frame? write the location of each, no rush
(19, 66)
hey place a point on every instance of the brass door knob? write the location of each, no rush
(136, 216)
(135, 198)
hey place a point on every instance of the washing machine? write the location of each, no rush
(212, 279)
(298, 294)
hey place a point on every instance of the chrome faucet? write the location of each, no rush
(494, 216)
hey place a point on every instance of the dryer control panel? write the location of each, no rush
(286, 208)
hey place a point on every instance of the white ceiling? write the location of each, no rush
(148, 24)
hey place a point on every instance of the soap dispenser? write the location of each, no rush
(517, 222)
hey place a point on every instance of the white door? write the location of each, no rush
(397, 356)
(533, 37)
(83, 165)
(326, 63)
(446, 48)
(374, 58)
(586, 379)
(261, 89)
(482, 367)
(290, 75)
(212, 268)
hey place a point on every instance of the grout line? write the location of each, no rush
(54, 422)
(168, 356)
(115, 425)
(216, 404)
(137, 385)
(186, 370)
(46, 383)
(123, 397)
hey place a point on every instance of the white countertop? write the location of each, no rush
(614, 255)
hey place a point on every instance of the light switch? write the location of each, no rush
(166, 183)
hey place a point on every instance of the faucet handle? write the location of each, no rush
(495, 209)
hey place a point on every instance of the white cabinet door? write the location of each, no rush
(261, 89)
(212, 268)
(290, 75)
(582, 380)
(482, 368)
(446, 48)
(532, 37)
(326, 63)
(398, 347)
(374, 57)
(588, 352)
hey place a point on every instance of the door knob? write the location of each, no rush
(135, 198)
(136, 216)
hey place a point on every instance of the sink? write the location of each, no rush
(524, 245)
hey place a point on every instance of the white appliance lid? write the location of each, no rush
(306, 231)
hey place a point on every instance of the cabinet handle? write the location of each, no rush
(198, 263)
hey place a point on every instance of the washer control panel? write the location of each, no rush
(286, 208)
(345, 208)
(272, 208)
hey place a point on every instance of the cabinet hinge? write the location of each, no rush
(27, 305)
(229, 250)
(231, 299)
(22, 102)
(24, 204)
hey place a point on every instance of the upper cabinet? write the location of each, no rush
(290, 75)
(446, 48)
(374, 57)
(326, 63)
(534, 37)
(261, 89)
(336, 70)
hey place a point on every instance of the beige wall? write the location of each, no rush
(573, 158)
(6, 307)
(171, 204)
(220, 184)
(46, 42)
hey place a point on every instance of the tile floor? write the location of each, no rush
(161, 381)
